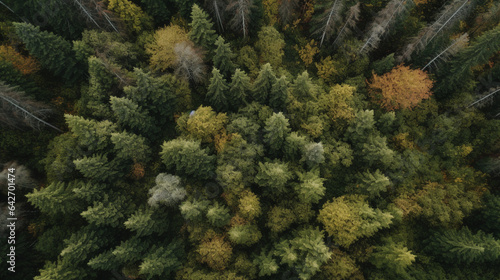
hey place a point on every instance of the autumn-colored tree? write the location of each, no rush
(25, 64)
(402, 88)
(131, 14)
(162, 50)
(215, 252)
(202, 124)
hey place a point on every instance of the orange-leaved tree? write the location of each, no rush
(400, 88)
(25, 64)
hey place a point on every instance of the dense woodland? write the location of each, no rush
(251, 139)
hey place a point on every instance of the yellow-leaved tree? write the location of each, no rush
(134, 18)
(401, 88)
(162, 50)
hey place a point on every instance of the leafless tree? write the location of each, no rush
(447, 17)
(19, 111)
(329, 19)
(351, 20)
(98, 16)
(451, 50)
(240, 11)
(217, 8)
(189, 64)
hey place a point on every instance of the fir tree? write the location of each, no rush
(276, 130)
(187, 157)
(263, 84)
(278, 94)
(217, 91)
(218, 215)
(238, 89)
(131, 115)
(53, 52)
(202, 32)
(223, 57)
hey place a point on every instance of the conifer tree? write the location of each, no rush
(462, 246)
(202, 32)
(393, 256)
(131, 115)
(245, 234)
(187, 158)
(193, 211)
(273, 177)
(134, 18)
(98, 168)
(130, 146)
(218, 215)
(276, 130)
(161, 261)
(270, 45)
(93, 135)
(53, 52)
(278, 94)
(263, 84)
(238, 89)
(108, 212)
(147, 221)
(217, 91)
(373, 183)
(223, 57)
(310, 189)
(57, 198)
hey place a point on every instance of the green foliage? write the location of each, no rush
(107, 212)
(462, 246)
(276, 130)
(53, 52)
(263, 84)
(161, 261)
(266, 263)
(97, 168)
(187, 157)
(393, 256)
(245, 234)
(223, 57)
(218, 215)
(93, 135)
(278, 94)
(132, 16)
(373, 184)
(238, 89)
(273, 177)
(217, 91)
(55, 199)
(270, 45)
(129, 146)
(202, 32)
(311, 189)
(306, 252)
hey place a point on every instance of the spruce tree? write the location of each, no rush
(373, 183)
(53, 52)
(263, 84)
(187, 158)
(223, 57)
(238, 89)
(279, 94)
(131, 116)
(276, 130)
(217, 91)
(202, 32)
(393, 256)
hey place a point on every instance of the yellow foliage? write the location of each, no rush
(340, 221)
(401, 88)
(162, 49)
(271, 11)
(204, 124)
(308, 52)
(249, 205)
(25, 64)
(215, 252)
(131, 14)
(402, 142)
(327, 69)
(408, 205)
(338, 102)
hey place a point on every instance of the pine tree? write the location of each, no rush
(108, 212)
(93, 135)
(161, 261)
(303, 88)
(273, 177)
(276, 130)
(223, 57)
(279, 94)
(98, 168)
(218, 215)
(187, 158)
(310, 189)
(462, 246)
(217, 91)
(238, 89)
(193, 211)
(131, 115)
(202, 32)
(147, 221)
(132, 15)
(58, 198)
(53, 52)
(306, 252)
(393, 256)
(373, 183)
(266, 263)
(129, 146)
(263, 84)
(246, 235)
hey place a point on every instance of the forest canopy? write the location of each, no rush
(250, 139)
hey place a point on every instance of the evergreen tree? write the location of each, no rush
(57, 198)
(93, 135)
(147, 221)
(217, 91)
(161, 261)
(273, 177)
(240, 11)
(314, 154)
(276, 130)
(134, 18)
(245, 234)
(53, 52)
(218, 215)
(98, 168)
(266, 263)
(263, 84)
(393, 256)
(238, 89)
(270, 45)
(129, 146)
(278, 94)
(187, 158)
(373, 183)
(462, 246)
(131, 115)
(310, 189)
(223, 57)
(193, 211)
(202, 32)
